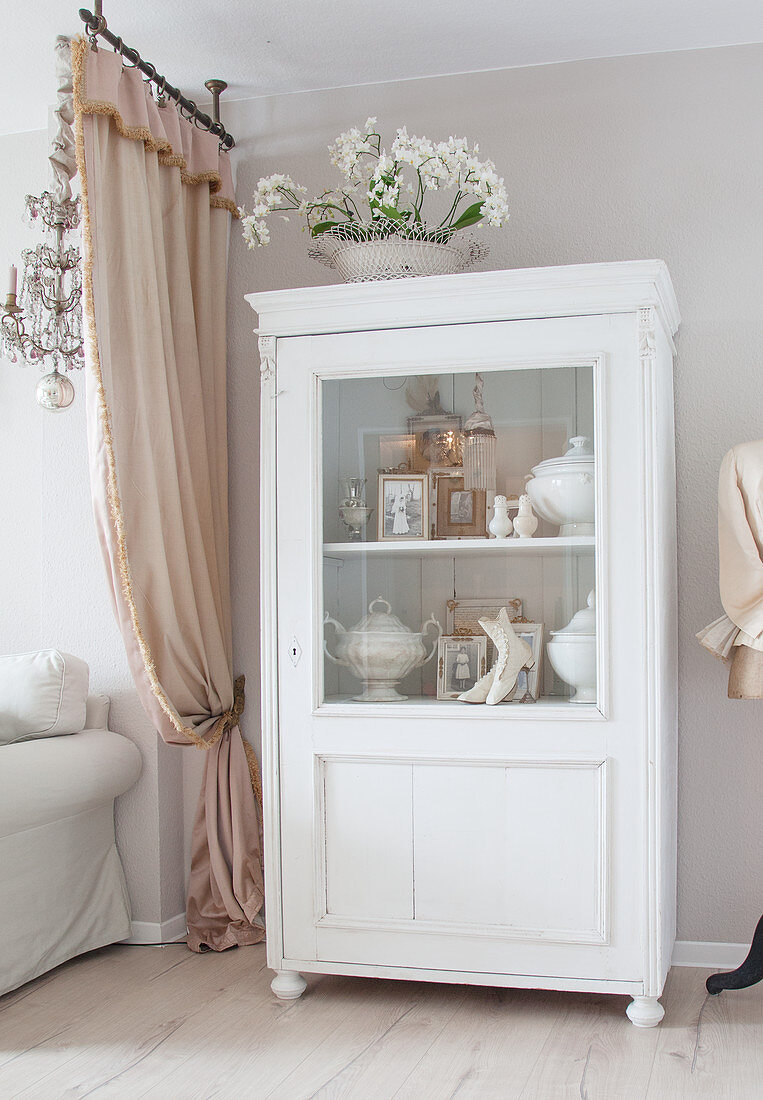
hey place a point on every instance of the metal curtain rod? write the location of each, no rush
(95, 24)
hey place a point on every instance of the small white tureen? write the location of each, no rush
(380, 651)
(572, 652)
(563, 489)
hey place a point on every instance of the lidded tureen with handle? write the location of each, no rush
(381, 651)
(563, 490)
(572, 652)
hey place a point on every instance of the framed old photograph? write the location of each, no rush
(461, 513)
(403, 506)
(461, 662)
(439, 475)
(529, 680)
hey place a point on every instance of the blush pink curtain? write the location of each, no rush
(157, 199)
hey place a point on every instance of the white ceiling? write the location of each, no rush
(296, 45)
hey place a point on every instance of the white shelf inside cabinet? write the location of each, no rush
(547, 707)
(423, 548)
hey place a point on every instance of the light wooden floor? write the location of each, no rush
(163, 1023)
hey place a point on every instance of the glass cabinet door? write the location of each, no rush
(415, 472)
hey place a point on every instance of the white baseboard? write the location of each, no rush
(723, 956)
(167, 931)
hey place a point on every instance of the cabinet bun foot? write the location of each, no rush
(288, 985)
(645, 1011)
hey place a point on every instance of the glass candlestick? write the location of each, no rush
(353, 510)
(352, 491)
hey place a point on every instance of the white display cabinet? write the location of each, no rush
(408, 834)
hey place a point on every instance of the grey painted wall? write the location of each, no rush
(629, 158)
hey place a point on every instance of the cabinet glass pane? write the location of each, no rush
(409, 478)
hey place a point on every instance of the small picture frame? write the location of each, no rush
(439, 440)
(438, 475)
(464, 616)
(396, 453)
(461, 513)
(529, 680)
(461, 662)
(403, 507)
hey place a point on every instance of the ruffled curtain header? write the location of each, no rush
(104, 86)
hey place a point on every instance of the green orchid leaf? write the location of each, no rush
(321, 227)
(470, 216)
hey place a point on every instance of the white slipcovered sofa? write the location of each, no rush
(62, 889)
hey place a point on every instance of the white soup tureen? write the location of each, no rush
(563, 490)
(380, 651)
(572, 652)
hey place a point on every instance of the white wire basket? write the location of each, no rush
(394, 257)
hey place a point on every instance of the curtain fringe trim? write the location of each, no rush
(165, 153)
(254, 769)
(79, 46)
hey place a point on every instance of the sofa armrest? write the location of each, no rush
(97, 714)
(56, 777)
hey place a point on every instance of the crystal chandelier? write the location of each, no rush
(43, 324)
(45, 327)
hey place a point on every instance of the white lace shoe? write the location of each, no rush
(513, 654)
(481, 690)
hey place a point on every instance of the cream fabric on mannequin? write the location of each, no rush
(156, 195)
(740, 540)
(740, 553)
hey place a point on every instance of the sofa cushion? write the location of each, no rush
(42, 694)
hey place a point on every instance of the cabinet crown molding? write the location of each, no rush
(571, 290)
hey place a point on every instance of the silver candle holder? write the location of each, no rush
(353, 510)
